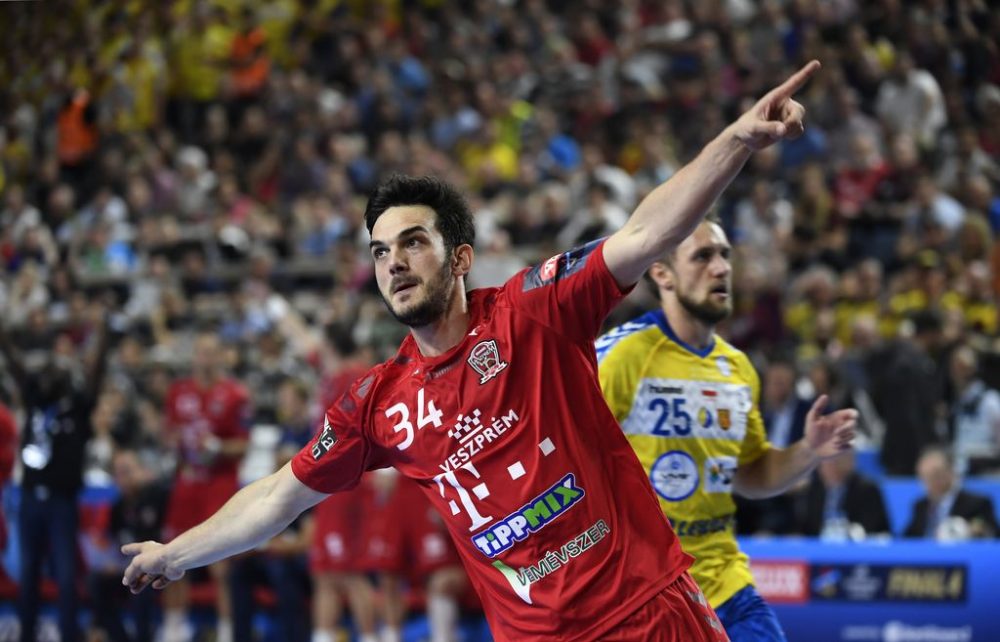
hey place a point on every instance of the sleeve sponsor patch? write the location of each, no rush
(324, 442)
(559, 266)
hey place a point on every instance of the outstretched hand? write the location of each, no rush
(829, 435)
(149, 566)
(776, 115)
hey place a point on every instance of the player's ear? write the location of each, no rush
(461, 260)
(662, 275)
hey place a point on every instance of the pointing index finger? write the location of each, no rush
(797, 80)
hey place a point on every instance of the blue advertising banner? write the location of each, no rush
(893, 591)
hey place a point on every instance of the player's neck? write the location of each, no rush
(434, 339)
(689, 329)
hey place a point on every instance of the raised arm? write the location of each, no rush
(99, 359)
(673, 210)
(252, 516)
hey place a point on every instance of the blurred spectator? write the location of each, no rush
(974, 417)
(841, 504)
(78, 137)
(8, 453)
(248, 59)
(408, 544)
(848, 123)
(763, 220)
(57, 403)
(599, 217)
(910, 101)
(137, 515)
(282, 564)
(969, 160)
(907, 389)
(827, 378)
(496, 264)
(783, 410)
(947, 512)
(875, 231)
(206, 426)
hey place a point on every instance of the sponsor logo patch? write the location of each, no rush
(325, 441)
(530, 518)
(719, 473)
(674, 475)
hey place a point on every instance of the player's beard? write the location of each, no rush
(706, 310)
(434, 304)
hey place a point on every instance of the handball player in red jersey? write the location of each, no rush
(492, 406)
(206, 421)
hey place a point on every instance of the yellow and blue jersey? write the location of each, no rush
(693, 418)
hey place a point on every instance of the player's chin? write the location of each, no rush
(719, 305)
(405, 307)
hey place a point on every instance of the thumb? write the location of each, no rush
(818, 407)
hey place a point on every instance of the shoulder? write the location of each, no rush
(626, 338)
(740, 361)
(862, 483)
(560, 266)
(365, 387)
(971, 498)
(236, 389)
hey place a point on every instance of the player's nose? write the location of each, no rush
(397, 262)
(721, 266)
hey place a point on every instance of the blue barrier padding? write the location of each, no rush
(880, 592)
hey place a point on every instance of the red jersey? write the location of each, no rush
(195, 413)
(510, 438)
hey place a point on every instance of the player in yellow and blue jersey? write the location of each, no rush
(688, 403)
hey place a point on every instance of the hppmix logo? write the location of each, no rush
(530, 518)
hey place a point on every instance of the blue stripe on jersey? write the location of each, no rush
(608, 340)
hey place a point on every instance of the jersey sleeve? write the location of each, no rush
(617, 374)
(755, 444)
(336, 457)
(572, 292)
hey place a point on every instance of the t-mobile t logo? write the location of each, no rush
(479, 490)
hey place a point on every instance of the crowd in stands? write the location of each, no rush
(174, 168)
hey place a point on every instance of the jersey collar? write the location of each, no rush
(661, 320)
(409, 352)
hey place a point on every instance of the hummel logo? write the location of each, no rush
(475, 332)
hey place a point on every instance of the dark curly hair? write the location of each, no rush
(454, 219)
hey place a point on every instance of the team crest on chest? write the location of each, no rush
(485, 359)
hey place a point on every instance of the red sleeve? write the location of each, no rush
(336, 458)
(572, 292)
(8, 445)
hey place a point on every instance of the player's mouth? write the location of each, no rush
(721, 290)
(403, 285)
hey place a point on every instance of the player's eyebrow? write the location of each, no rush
(410, 230)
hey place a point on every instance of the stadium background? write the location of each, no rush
(204, 165)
